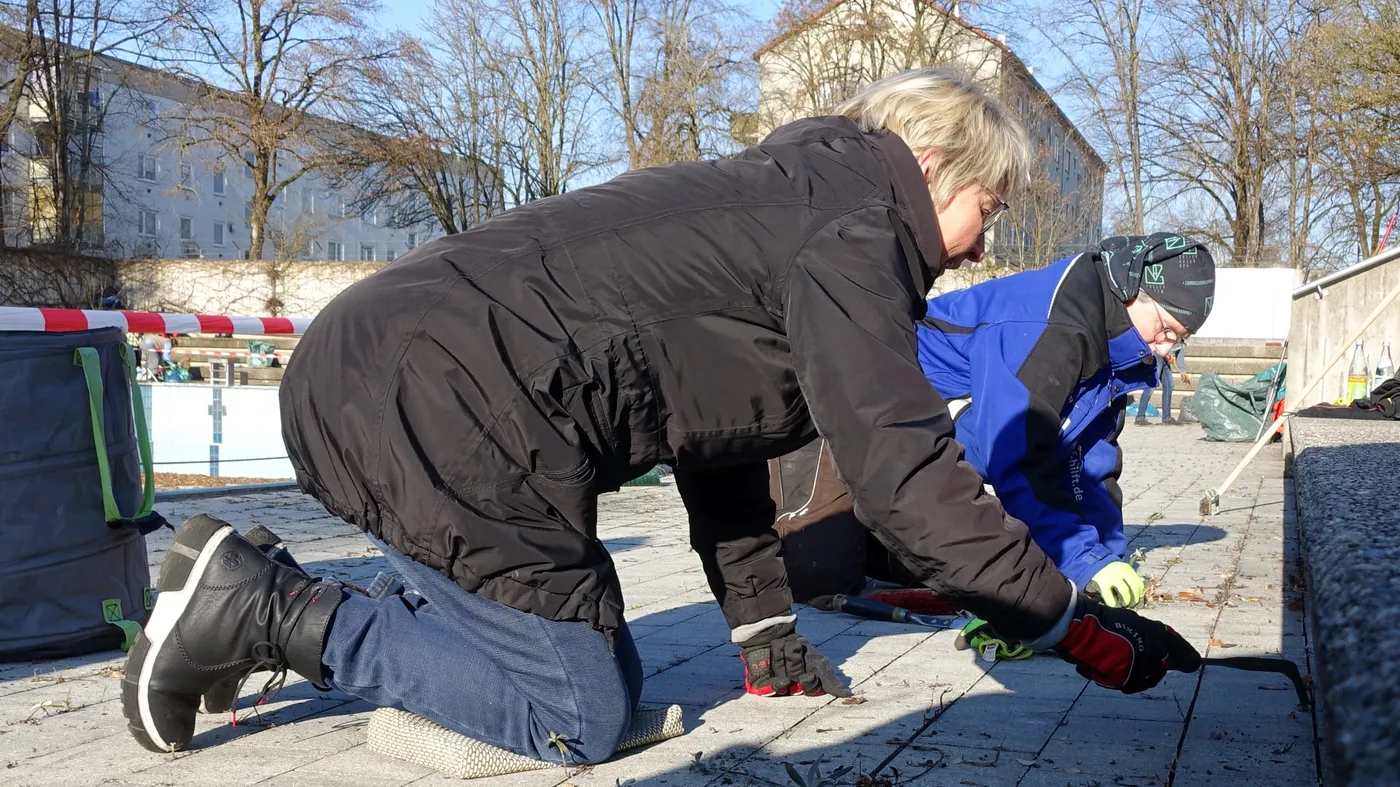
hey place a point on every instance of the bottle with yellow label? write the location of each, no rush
(1359, 375)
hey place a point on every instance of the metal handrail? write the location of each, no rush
(1317, 287)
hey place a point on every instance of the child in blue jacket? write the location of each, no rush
(1037, 368)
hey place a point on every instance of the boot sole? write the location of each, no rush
(179, 576)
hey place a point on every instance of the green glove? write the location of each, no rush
(981, 637)
(1118, 584)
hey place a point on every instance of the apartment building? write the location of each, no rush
(153, 189)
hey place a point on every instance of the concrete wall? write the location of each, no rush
(1320, 325)
(242, 287)
(34, 277)
(204, 430)
(1251, 303)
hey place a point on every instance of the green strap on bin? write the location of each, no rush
(112, 613)
(87, 359)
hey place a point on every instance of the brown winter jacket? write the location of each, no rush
(468, 402)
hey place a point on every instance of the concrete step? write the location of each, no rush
(1246, 367)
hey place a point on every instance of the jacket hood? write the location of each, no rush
(911, 195)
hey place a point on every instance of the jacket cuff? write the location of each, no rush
(748, 631)
(1086, 568)
(1060, 630)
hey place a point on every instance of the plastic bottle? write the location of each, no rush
(1385, 368)
(1358, 376)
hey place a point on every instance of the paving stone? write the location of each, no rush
(228, 766)
(1009, 712)
(945, 764)
(1008, 726)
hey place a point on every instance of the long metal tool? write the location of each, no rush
(1259, 664)
(1273, 391)
(1210, 504)
(879, 610)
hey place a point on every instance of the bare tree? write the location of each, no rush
(1104, 44)
(274, 64)
(1223, 79)
(622, 26)
(1354, 61)
(677, 68)
(421, 140)
(538, 57)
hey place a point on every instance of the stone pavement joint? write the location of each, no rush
(931, 715)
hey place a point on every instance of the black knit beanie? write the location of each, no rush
(1174, 270)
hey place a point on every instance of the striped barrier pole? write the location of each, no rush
(228, 353)
(25, 318)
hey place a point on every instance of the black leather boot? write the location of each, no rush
(224, 610)
(221, 697)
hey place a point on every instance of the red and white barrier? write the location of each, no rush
(24, 318)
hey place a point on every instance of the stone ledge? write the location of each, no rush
(1345, 485)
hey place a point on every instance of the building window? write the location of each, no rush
(308, 200)
(219, 233)
(146, 167)
(335, 251)
(220, 184)
(391, 255)
(186, 228)
(248, 210)
(412, 240)
(367, 215)
(366, 252)
(248, 165)
(147, 223)
(186, 175)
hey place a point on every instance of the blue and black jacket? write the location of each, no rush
(1047, 358)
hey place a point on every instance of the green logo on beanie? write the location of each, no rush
(1154, 275)
(1175, 242)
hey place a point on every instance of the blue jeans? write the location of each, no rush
(483, 669)
(1164, 373)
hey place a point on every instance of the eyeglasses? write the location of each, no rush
(1167, 334)
(995, 215)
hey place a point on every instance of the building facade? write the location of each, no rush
(826, 57)
(150, 188)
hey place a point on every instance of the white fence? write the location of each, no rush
(1251, 303)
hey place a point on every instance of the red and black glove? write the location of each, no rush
(1120, 649)
(779, 662)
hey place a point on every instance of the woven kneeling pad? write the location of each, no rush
(412, 738)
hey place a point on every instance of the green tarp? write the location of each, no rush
(1235, 412)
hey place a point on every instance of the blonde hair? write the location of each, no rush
(977, 142)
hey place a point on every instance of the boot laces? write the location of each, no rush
(267, 655)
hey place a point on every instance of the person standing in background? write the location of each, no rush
(1175, 361)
